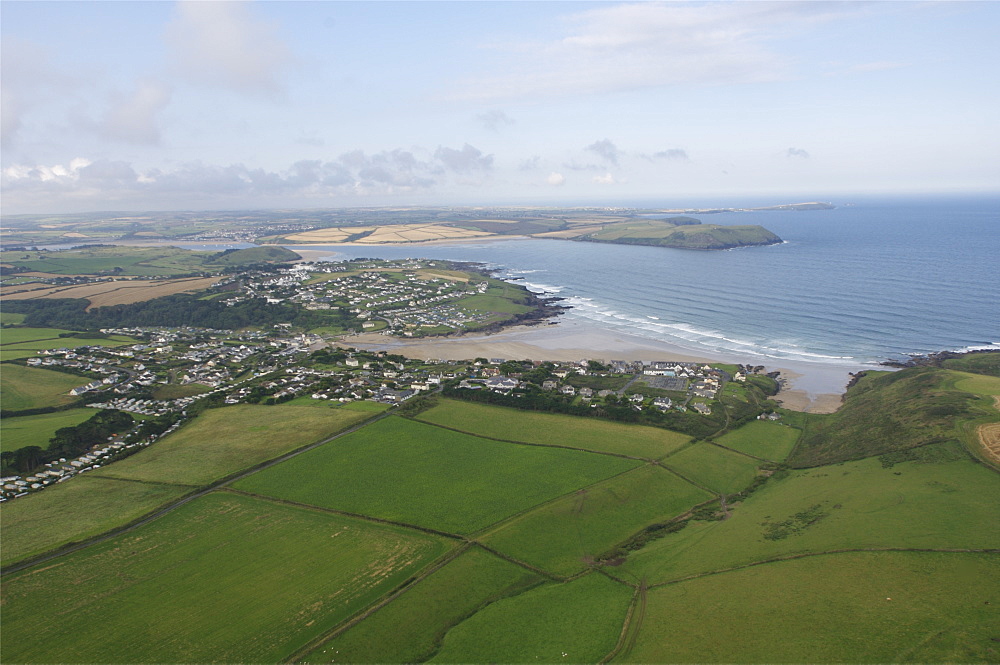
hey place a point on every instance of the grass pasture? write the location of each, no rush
(415, 473)
(713, 467)
(573, 622)
(872, 607)
(410, 628)
(30, 387)
(546, 428)
(762, 439)
(565, 536)
(138, 261)
(22, 335)
(37, 430)
(922, 504)
(226, 440)
(225, 578)
(71, 511)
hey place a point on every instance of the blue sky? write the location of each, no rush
(209, 105)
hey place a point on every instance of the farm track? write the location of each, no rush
(631, 626)
(170, 507)
(806, 555)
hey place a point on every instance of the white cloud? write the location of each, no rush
(556, 179)
(643, 45)
(133, 119)
(224, 44)
(606, 179)
(797, 152)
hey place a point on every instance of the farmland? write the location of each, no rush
(581, 619)
(566, 536)
(419, 474)
(37, 430)
(872, 607)
(30, 388)
(115, 292)
(73, 511)
(410, 628)
(716, 468)
(235, 579)
(467, 533)
(762, 439)
(223, 441)
(552, 429)
(942, 500)
(139, 261)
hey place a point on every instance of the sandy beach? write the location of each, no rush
(810, 387)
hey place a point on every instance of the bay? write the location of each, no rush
(872, 279)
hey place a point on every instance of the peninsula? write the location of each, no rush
(662, 227)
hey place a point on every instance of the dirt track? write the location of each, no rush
(989, 436)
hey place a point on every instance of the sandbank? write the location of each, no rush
(810, 387)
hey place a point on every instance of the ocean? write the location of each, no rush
(872, 279)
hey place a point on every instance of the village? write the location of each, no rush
(176, 373)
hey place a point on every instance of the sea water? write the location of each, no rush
(870, 280)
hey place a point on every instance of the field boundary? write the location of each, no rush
(536, 445)
(806, 555)
(168, 507)
(343, 513)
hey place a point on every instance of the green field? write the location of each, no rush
(21, 335)
(587, 434)
(37, 430)
(565, 536)
(410, 628)
(410, 472)
(139, 261)
(851, 505)
(980, 363)
(872, 607)
(11, 318)
(223, 441)
(762, 439)
(78, 508)
(581, 619)
(30, 388)
(977, 383)
(713, 467)
(225, 578)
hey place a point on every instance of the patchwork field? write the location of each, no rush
(762, 439)
(410, 628)
(117, 292)
(74, 510)
(393, 233)
(37, 430)
(872, 607)
(567, 535)
(573, 622)
(139, 261)
(546, 428)
(30, 388)
(225, 578)
(923, 504)
(222, 441)
(415, 473)
(713, 467)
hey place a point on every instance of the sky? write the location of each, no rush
(202, 105)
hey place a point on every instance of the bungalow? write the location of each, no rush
(550, 385)
(586, 392)
(568, 390)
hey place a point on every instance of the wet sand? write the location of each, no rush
(811, 387)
